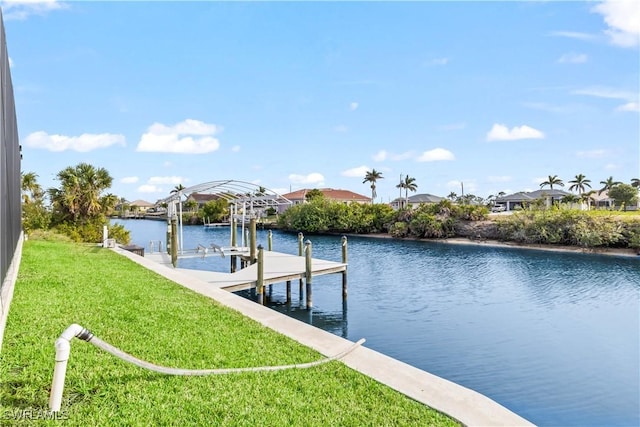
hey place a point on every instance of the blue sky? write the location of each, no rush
(290, 95)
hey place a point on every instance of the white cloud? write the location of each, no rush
(341, 128)
(358, 172)
(173, 180)
(314, 178)
(353, 106)
(435, 155)
(499, 178)
(83, 143)
(189, 137)
(573, 35)
(235, 148)
(11, 63)
(147, 188)
(611, 167)
(606, 92)
(500, 132)
(22, 9)
(573, 58)
(633, 107)
(609, 93)
(380, 156)
(592, 154)
(623, 19)
(129, 180)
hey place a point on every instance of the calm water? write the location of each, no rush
(554, 337)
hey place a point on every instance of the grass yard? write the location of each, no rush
(154, 319)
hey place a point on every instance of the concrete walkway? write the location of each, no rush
(465, 405)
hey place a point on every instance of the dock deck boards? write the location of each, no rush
(278, 267)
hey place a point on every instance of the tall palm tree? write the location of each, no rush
(579, 183)
(409, 185)
(608, 185)
(372, 176)
(551, 181)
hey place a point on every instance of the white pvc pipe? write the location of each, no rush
(63, 348)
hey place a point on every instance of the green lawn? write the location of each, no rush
(156, 320)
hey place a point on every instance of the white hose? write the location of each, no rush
(177, 371)
(63, 349)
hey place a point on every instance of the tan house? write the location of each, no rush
(140, 206)
(345, 196)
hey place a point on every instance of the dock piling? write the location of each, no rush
(308, 274)
(344, 261)
(260, 282)
(234, 243)
(300, 253)
(270, 241)
(174, 242)
(252, 239)
(288, 291)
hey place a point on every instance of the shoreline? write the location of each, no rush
(620, 252)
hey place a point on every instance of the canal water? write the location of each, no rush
(555, 337)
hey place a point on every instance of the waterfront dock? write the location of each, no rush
(278, 267)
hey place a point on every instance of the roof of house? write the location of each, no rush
(532, 195)
(604, 196)
(420, 198)
(329, 193)
(141, 204)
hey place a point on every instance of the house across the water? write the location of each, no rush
(522, 199)
(345, 196)
(415, 201)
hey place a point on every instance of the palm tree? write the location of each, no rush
(551, 181)
(409, 184)
(635, 182)
(579, 183)
(30, 188)
(608, 185)
(178, 188)
(372, 176)
(79, 196)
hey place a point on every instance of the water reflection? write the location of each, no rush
(330, 321)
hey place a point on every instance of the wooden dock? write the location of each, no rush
(278, 267)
